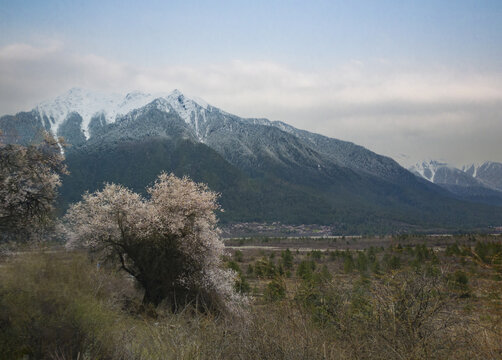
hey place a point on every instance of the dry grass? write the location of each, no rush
(61, 306)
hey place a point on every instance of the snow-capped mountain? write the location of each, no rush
(265, 170)
(490, 173)
(480, 183)
(81, 116)
(439, 172)
(109, 107)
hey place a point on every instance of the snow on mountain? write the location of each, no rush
(490, 173)
(427, 169)
(91, 103)
(203, 119)
(487, 175)
(470, 169)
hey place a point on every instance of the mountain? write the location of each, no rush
(489, 173)
(475, 183)
(265, 170)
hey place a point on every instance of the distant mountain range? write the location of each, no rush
(265, 170)
(475, 183)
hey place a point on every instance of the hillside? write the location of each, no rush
(265, 171)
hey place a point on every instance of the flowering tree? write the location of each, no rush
(29, 178)
(169, 243)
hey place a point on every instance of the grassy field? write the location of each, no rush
(407, 297)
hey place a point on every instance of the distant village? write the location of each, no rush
(276, 229)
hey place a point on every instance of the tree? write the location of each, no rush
(169, 243)
(29, 178)
(287, 259)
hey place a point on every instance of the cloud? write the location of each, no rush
(392, 110)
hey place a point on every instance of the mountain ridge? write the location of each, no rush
(285, 174)
(475, 182)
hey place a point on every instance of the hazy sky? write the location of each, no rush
(408, 79)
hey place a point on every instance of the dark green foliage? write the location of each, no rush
(423, 253)
(238, 256)
(391, 262)
(325, 275)
(316, 254)
(460, 278)
(333, 255)
(136, 165)
(305, 269)
(375, 267)
(287, 259)
(241, 284)
(362, 262)
(453, 250)
(275, 290)
(264, 268)
(431, 270)
(234, 266)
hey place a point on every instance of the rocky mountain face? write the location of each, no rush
(476, 183)
(489, 173)
(265, 170)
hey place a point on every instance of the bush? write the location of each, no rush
(265, 268)
(459, 281)
(275, 290)
(287, 259)
(169, 243)
(238, 256)
(305, 269)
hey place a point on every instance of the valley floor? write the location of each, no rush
(407, 297)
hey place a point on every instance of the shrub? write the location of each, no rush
(238, 256)
(275, 290)
(459, 281)
(264, 268)
(305, 269)
(362, 262)
(169, 243)
(287, 259)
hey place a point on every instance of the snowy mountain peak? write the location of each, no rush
(89, 103)
(489, 172)
(486, 175)
(427, 169)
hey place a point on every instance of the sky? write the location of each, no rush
(413, 80)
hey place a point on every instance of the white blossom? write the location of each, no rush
(169, 242)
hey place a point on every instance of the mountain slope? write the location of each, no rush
(489, 173)
(471, 183)
(266, 171)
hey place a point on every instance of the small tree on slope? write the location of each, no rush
(169, 243)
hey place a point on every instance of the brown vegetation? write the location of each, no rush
(415, 304)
